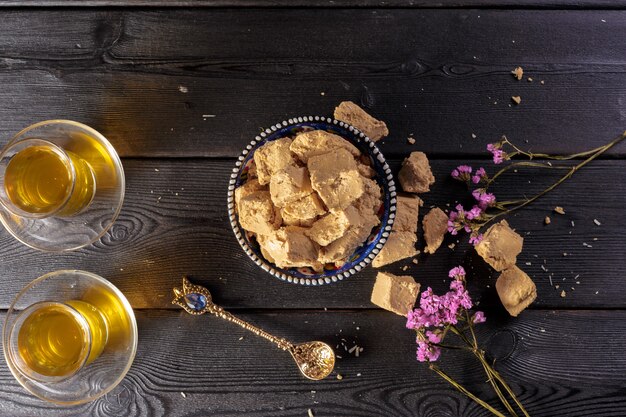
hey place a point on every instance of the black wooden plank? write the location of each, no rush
(544, 355)
(146, 80)
(540, 4)
(174, 222)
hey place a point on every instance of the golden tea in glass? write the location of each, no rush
(69, 337)
(43, 179)
(61, 185)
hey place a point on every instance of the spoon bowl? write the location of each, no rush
(315, 360)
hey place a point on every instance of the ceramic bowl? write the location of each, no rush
(363, 255)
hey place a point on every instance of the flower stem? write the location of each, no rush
(463, 390)
(518, 164)
(599, 151)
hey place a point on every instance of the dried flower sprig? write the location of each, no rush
(439, 316)
(487, 208)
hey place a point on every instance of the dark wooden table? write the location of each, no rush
(179, 91)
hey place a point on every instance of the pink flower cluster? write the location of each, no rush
(498, 154)
(440, 311)
(484, 198)
(464, 173)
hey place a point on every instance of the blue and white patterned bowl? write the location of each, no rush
(362, 255)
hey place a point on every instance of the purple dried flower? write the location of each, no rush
(484, 199)
(462, 173)
(479, 317)
(475, 239)
(498, 154)
(479, 175)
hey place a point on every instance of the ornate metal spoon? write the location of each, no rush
(315, 360)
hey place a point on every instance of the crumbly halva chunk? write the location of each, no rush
(399, 245)
(334, 225)
(435, 225)
(272, 157)
(370, 201)
(290, 247)
(335, 177)
(304, 211)
(500, 246)
(354, 115)
(395, 293)
(257, 213)
(407, 212)
(415, 175)
(320, 142)
(290, 184)
(248, 188)
(342, 248)
(366, 170)
(516, 290)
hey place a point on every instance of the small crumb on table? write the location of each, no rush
(518, 73)
(516, 99)
(559, 210)
(547, 220)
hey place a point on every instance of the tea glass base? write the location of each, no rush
(107, 370)
(66, 233)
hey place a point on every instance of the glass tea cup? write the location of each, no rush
(70, 337)
(61, 185)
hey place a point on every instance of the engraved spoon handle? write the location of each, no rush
(282, 343)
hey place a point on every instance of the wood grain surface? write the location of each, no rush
(156, 87)
(200, 366)
(180, 91)
(539, 4)
(174, 223)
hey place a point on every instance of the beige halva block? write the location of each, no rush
(272, 157)
(354, 115)
(399, 245)
(257, 213)
(290, 247)
(395, 293)
(334, 225)
(370, 201)
(435, 225)
(320, 142)
(415, 175)
(407, 212)
(500, 246)
(290, 184)
(336, 179)
(304, 211)
(516, 290)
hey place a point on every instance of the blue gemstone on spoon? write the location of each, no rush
(196, 301)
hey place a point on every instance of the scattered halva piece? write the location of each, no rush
(304, 211)
(395, 293)
(370, 201)
(246, 189)
(407, 212)
(352, 114)
(272, 157)
(518, 73)
(415, 175)
(335, 177)
(257, 213)
(435, 225)
(290, 247)
(290, 184)
(319, 142)
(500, 246)
(559, 210)
(334, 225)
(399, 245)
(516, 290)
